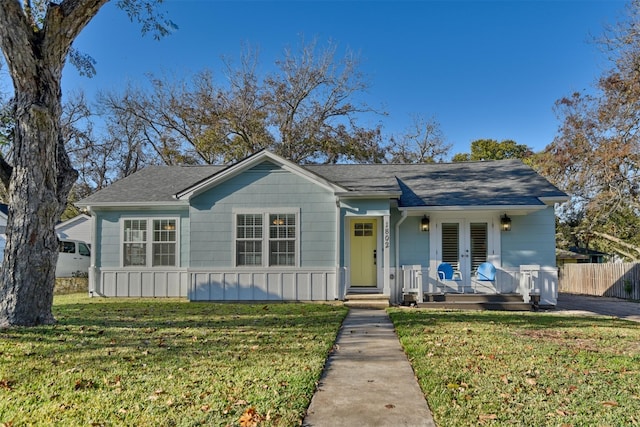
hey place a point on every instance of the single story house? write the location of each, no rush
(265, 228)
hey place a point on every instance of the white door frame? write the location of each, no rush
(380, 251)
(464, 219)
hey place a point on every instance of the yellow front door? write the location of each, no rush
(363, 252)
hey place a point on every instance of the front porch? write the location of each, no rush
(521, 288)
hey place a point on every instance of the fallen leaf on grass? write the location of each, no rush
(610, 403)
(82, 384)
(487, 417)
(250, 418)
(6, 384)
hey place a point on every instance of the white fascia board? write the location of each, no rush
(512, 209)
(372, 195)
(250, 162)
(134, 205)
(550, 201)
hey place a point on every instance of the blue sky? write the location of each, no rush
(482, 69)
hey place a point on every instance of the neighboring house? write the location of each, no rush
(592, 256)
(76, 228)
(564, 256)
(268, 229)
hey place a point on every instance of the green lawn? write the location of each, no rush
(153, 362)
(524, 369)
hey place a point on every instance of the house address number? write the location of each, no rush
(387, 235)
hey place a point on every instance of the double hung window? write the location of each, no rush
(274, 234)
(150, 242)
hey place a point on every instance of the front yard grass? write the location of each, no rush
(524, 369)
(152, 362)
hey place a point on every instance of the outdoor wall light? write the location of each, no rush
(505, 223)
(424, 223)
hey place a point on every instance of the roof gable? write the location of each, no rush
(249, 163)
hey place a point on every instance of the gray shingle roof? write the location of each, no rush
(152, 184)
(491, 183)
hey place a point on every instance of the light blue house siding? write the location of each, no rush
(414, 249)
(531, 240)
(110, 278)
(263, 188)
(109, 227)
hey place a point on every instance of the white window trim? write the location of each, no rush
(149, 242)
(265, 212)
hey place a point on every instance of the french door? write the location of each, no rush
(464, 244)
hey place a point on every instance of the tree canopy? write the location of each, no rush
(491, 149)
(596, 155)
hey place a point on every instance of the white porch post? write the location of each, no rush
(386, 244)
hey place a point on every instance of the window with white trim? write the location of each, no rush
(150, 242)
(249, 239)
(282, 239)
(272, 233)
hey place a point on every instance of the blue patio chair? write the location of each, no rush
(446, 272)
(486, 272)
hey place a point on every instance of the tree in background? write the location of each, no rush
(305, 111)
(423, 142)
(312, 102)
(596, 155)
(490, 149)
(36, 39)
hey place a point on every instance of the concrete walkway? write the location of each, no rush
(367, 380)
(589, 305)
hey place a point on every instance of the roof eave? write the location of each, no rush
(144, 205)
(512, 209)
(552, 200)
(369, 195)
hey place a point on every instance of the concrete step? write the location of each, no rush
(376, 301)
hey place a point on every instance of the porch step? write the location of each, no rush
(362, 300)
(505, 302)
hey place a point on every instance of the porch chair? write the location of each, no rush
(447, 273)
(486, 272)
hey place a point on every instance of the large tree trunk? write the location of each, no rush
(40, 182)
(41, 175)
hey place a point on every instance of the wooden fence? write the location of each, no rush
(609, 280)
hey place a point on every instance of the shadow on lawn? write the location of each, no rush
(157, 326)
(521, 320)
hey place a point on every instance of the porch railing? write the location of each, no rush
(509, 280)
